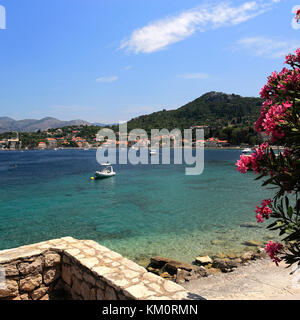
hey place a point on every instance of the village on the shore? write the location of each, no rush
(77, 137)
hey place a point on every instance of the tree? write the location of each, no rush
(280, 119)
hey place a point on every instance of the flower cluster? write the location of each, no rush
(297, 17)
(252, 162)
(263, 211)
(293, 59)
(279, 84)
(270, 119)
(273, 249)
(278, 92)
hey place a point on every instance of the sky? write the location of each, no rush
(109, 61)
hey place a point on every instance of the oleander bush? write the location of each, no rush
(280, 119)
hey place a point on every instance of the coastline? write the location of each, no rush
(95, 148)
(259, 280)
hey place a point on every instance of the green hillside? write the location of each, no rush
(229, 116)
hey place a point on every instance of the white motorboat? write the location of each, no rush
(106, 172)
(247, 152)
(153, 152)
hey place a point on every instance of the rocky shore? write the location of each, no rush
(203, 266)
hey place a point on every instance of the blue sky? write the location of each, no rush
(106, 61)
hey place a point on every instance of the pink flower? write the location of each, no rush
(273, 249)
(243, 164)
(274, 116)
(297, 17)
(264, 211)
(291, 59)
(252, 162)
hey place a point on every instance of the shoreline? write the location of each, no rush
(256, 277)
(95, 148)
(259, 280)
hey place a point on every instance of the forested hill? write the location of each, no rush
(216, 109)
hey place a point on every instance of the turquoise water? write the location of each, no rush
(144, 210)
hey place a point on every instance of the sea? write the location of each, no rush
(143, 211)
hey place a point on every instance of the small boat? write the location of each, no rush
(106, 172)
(247, 152)
(153, 152)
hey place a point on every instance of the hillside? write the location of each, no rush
(215, 109)
(32, 125)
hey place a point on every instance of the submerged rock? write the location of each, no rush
(217, 242)
(250, 225)
(232, 256)
(253, 243)
(220, 255)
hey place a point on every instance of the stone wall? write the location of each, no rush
(68, 268)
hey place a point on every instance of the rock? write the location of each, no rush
(31, 268)
(201, 272)
(51, 275)
(212, 271)
(30, 282)
(66, 274)
(217, 242)
(77, 272)
(24, 296)
(172, 266)
(234, 263)
(232, 256)
(100, 294)
(76, 287)
(247, 256)
(168, 265)
(220, 255)
(39, 293)
(184, 275)
(59, 286)
(181, 276)
(253, 243)
(225, 264)
(52, 259)
(203, 260)
(85, 291)
(10, 270)
(158, 262)
(165, 275)
(262, 253)
(89, 278)
(250, 225)
(153, 270)
(10, 289)
(45, 297)
(110, 294)
(220, 263)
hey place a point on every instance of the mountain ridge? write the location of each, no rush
(32, 125)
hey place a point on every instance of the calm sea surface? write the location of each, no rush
(144, 210)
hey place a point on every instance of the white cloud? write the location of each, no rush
(159, 34)
(107, 79)
(127, 67)
(193, 76)
(266, 47)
